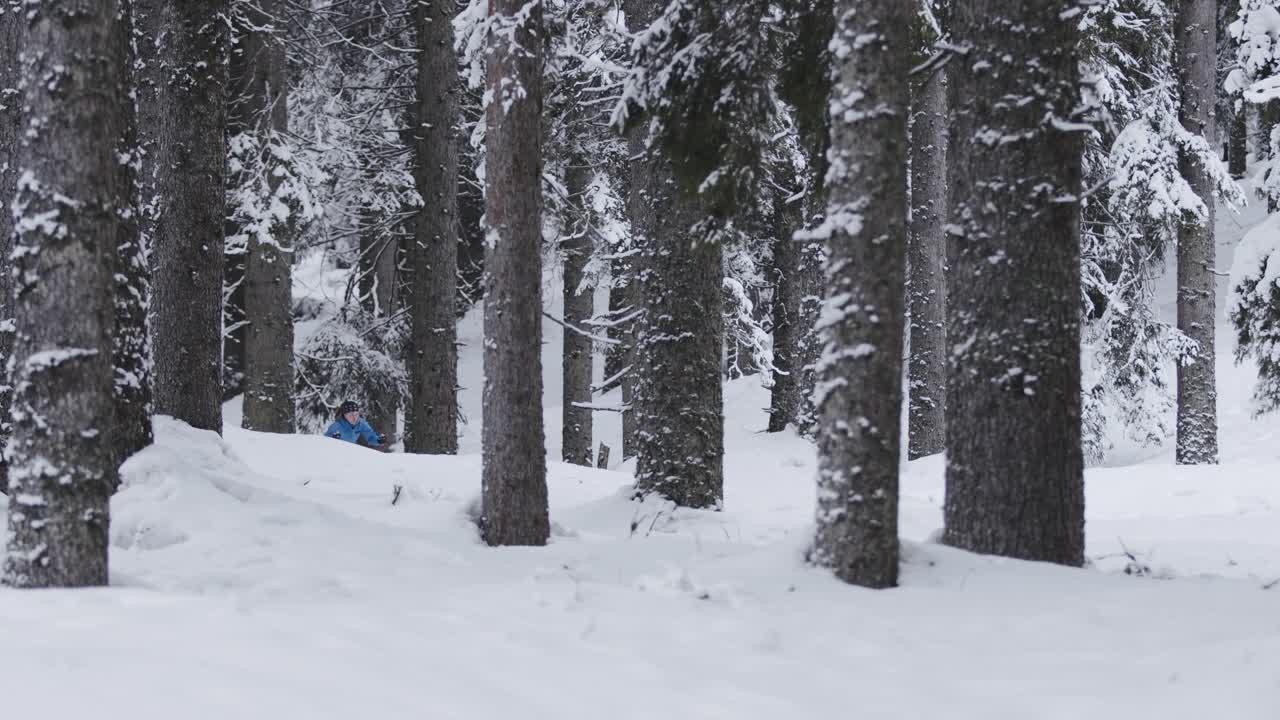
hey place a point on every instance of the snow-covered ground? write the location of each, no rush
(272, 577)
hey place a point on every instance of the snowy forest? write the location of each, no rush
(734, 358)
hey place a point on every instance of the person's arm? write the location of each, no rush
(370, 437)
(334, 431)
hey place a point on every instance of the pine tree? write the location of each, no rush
(927, 249)
(514, 481)
(432, 416)
(1195, 38)
(860, 370)
(131, 352)
(67, 227)
(182, 122)
(804, 84)
(701, 167)
(12, 34)
(1014, 461)
(259, 117)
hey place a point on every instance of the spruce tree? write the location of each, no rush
(431, 418)
(514, 508)
(12, 34)
(1014, 461)
(860, 369)
(1195, 37)
(182, 114)
(259, 119)
(927, 247)
(131, 350)
(62, 465)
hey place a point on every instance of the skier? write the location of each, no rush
(352, 428)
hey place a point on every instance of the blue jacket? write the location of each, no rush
(344, 430)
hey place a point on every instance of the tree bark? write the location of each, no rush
(620, 358)
(579, 309)
(805, 84)
(12, 35)
(860, 370)
(677, 397)
(1194, 43)
(1014, 459)
(514, 464)
(1238, 143)
(131, 351)
(62, 464)
(432, 415)
(926, 262)
(263, 99)
(786, 399)
(182, 119)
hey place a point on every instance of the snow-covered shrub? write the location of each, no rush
(353, 356)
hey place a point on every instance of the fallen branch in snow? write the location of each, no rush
(395, 493)
(1271, 584)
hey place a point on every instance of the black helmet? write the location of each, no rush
(349, 406)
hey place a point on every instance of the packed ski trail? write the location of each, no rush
(273, 577)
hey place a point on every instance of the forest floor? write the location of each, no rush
(266, 576)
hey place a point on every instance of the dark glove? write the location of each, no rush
(336, 435)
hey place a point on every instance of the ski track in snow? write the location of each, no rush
(270, 576)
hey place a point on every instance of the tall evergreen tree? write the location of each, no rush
(804, 84)
(12, 34)
(131, 351)
(860, 370)
(259, 117)
(514, 479)
(432, 414)
(182, 123)
(67, 222)
(927, 247)
(1014, 461)
(579, 310)
(1195, 37)
(700, 76)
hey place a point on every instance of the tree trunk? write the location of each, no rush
(806, 83)
(12, 35)
(182, 120)
(1014, 460)
(620, 358)
(677, 398)
(1267, 115)
(1197, 395)
(1238, 143)
(131, 350)
(927, 252)
(860, 371)
(617, 358)
(786, 397)
(514, 475)
(432, 416)
(268, 269)
(62, 463)
(579, 308)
